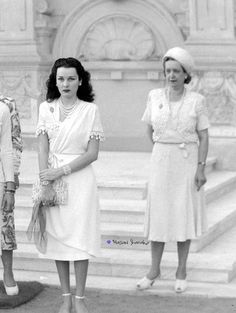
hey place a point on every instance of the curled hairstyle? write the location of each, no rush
(187, 79)
(85, 90)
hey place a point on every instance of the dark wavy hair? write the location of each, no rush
(85, 90)
(187, 79)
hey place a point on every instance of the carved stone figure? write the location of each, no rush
(219, 90)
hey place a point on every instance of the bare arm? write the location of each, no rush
(200, 178)
(43, 150)
(203, 145)
(150, 132)
(48, 193)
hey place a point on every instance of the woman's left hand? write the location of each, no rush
(8, 202)
(50, 174)
(200, 178)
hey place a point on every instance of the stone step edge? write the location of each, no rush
(136, 230)
(139, 202)
(127, 286)
(169, 259)
(130, 271)
(109, 205)
(214, 185)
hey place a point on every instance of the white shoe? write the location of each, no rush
(180, 285)
(146, 283)
(11, 291)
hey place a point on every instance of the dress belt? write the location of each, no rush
(55, 159)
(182, 146)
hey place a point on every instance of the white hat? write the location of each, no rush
(182, 56)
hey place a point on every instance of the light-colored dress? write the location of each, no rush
(72, 229)
(176, 210)
(8, 238)
(6, 156)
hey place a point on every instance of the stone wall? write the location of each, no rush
(121, 43)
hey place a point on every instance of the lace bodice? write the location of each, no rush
(192, 115)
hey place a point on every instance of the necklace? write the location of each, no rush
(175, 118)
(67, 110)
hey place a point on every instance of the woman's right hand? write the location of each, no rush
(48, 195)
(8, 202)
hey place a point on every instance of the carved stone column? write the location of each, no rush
(211, 19)
(211, 31)
(44, 28)
(24, 55)
(17, 31)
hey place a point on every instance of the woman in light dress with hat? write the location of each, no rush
(178, 126)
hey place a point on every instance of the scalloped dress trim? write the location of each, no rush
(41, 131)
(97, 135)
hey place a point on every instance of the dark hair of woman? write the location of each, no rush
(187, 79)
(84, 92)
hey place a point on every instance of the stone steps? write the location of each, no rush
(122, 219)
(120, 239)
(221, 216)
(218, 183)
(202, 267)
(123, 285)
(122, 182)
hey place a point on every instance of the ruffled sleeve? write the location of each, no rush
(41, 126)
(147, 113)
(97, 130)
(202, 114)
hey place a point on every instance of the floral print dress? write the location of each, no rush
(8, 239)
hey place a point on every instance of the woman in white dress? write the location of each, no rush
(69, 131)
(178, 126)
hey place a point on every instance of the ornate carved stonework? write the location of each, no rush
(18, 85)
(220, 91)
(119, 38)
(212, 19)
(180, 10)
(44, 28)
(13, 16)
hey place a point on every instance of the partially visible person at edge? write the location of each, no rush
(69, 131)
(178, 127)
(11, 148)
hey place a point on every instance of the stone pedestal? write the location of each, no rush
(212, 42)
(17, 37)
(211, 35)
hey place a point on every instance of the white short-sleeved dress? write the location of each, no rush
(73, 229)
(176, 210)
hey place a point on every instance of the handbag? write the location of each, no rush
(60, 187)
(37, 225)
